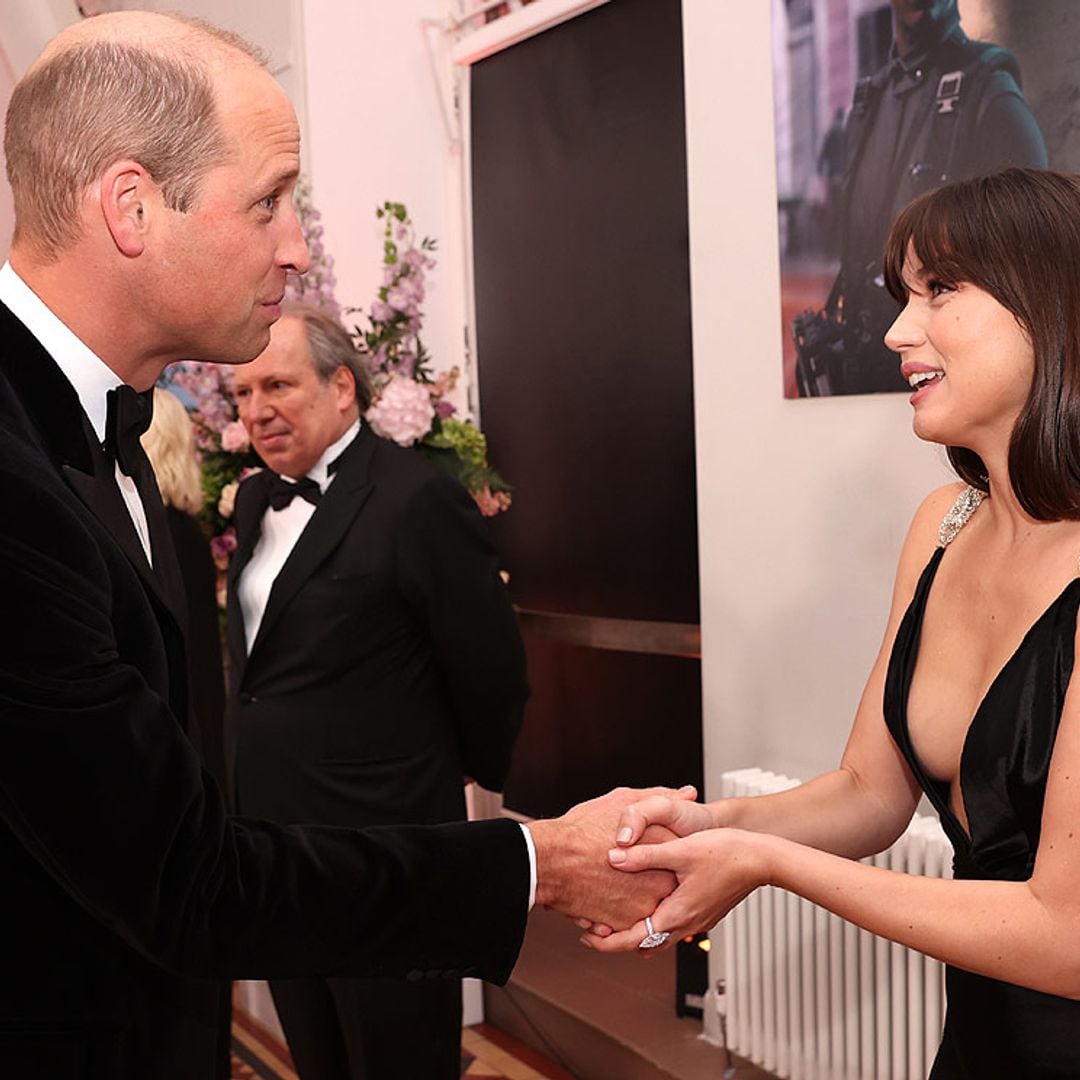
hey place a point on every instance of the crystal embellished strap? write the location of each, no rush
(967, 502)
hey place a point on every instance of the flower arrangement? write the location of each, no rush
(225, 452)
(410, 404)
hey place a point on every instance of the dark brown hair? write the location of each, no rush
(1015, 235)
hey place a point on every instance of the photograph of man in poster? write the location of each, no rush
(942, 107)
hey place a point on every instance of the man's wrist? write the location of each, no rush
(530, 848)
(542, 835)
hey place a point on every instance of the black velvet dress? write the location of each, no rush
(993, 1028)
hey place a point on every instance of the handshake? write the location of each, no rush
(575, 875)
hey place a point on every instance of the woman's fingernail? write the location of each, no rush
(625, 834)
(616, 855)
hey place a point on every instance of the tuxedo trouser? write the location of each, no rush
(371, 1029)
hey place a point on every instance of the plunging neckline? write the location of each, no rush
(931, 785)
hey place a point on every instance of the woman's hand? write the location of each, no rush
(651, 821)
(678, 815)
(715, 870)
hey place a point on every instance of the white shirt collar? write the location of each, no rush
(320, 471)
(91, 377)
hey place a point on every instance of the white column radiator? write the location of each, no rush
(808, 996)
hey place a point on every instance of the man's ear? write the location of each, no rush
(344, 384)
(126, 194)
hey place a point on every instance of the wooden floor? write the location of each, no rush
(486, 1054)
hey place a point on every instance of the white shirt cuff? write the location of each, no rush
(531, 848)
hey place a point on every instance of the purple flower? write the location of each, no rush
(445, 409)
(398, 298)
(381, 311)
(222, 547)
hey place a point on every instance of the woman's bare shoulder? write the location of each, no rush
(924, 532)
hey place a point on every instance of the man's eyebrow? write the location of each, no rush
(281, 177)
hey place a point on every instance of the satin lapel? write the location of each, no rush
(251, 504)
(335, 513)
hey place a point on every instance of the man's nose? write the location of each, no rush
(292, 248)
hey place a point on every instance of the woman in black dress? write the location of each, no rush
(971, 700)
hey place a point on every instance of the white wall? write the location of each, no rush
(376, 132)
(802, 505)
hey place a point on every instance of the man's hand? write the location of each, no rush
(573, 872)
(715, 868)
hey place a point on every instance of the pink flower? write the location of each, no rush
(403, 411)
(234, 438)
(227, 502)
(491, 502)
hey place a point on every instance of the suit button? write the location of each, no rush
(414, 976)
(247, 699)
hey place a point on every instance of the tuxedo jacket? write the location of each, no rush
(388, 662)
(125, 889)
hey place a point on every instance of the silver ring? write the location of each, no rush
(654, 938)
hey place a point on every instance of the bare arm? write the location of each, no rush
(861, 807)
(1026, 933)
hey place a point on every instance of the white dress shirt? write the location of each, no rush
(90, 376)
(280, 531)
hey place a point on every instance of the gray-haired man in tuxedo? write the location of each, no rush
(376, 662)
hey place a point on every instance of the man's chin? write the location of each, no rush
(243, 352)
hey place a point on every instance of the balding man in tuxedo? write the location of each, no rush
(152, 161)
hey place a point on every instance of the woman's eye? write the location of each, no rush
(938, 288)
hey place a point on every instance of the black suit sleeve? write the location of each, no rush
(101, 788)
(449, 572)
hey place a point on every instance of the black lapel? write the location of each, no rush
(100, 494)
(69, 439)
(335, 513)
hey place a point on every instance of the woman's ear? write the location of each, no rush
(125, 193)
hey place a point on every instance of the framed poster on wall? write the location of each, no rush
(877, 102)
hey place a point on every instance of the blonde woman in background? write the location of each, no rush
(170, 445)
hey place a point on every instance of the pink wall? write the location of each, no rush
(375, 132)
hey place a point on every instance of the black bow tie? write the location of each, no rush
(127, 417)
(282, 491)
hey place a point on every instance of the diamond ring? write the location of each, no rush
(653, 938)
